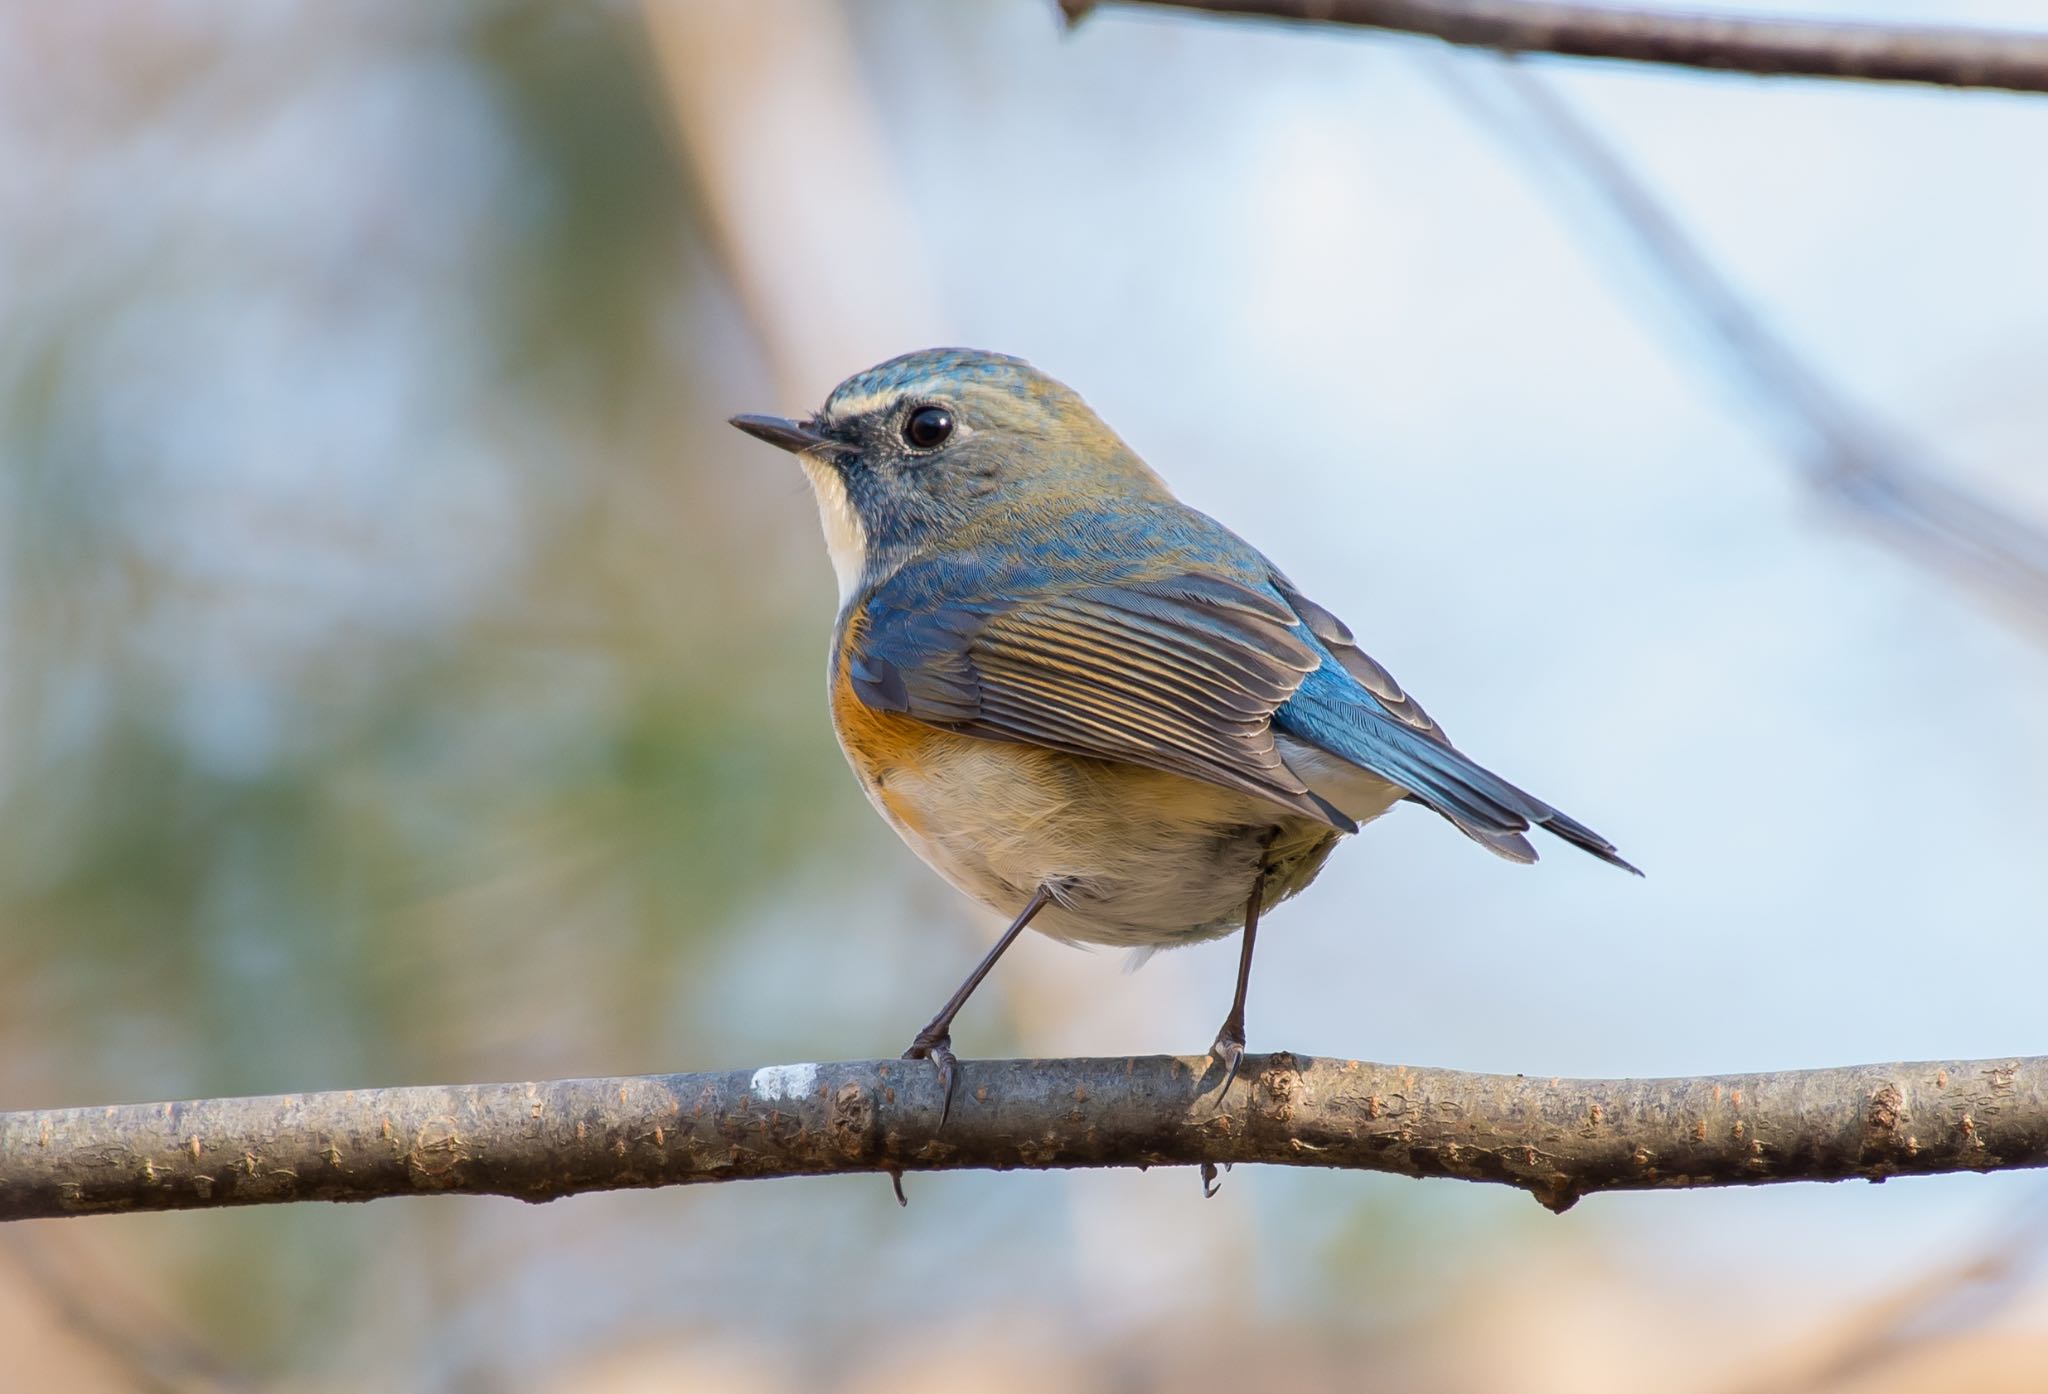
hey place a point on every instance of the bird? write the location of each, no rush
(1085, 704)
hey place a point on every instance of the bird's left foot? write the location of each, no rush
(936, 1047)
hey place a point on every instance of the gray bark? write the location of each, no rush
(1558, 1139)
(1945, 56)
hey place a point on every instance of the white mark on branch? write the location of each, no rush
(774, 1083)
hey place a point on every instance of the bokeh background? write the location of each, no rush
(406, 676)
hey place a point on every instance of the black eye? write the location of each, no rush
(927, 427)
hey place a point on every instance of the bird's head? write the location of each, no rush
(950, 447)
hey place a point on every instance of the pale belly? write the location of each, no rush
(1135, 857)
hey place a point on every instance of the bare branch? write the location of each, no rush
(1945, 56)
(1557, 1139)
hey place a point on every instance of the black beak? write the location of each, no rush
(796, 436)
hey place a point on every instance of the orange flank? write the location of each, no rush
(882, 746)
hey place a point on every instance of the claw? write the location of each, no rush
(939, 1050)
(1229, 1053)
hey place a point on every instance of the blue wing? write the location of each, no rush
(1179, 673)
(1159, 638)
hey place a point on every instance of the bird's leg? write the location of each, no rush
(1229, 1048)
(935, 1042)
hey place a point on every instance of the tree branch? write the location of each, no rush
(1557, 1139)
(1942, 55)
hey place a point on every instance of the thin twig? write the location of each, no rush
(1863, 470)
(1557, 1139)
(1946, 56)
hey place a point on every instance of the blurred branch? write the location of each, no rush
(1941, 1302)
(1942, 55)
(1876, 482)
(753, 86)
(1557, 1139)
(107, 1312)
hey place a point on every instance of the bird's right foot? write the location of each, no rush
(1228, 1052)
(936, 1047)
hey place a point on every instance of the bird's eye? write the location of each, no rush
(927, 427)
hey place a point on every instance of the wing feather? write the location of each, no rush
(1181, 674)
(1337, 637)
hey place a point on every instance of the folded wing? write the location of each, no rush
(1181, 674)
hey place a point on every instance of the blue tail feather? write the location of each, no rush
(1334, 713)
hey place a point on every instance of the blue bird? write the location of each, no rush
(1083, 703)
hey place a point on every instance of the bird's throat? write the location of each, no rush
(845, 539)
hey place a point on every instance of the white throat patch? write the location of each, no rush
(846, 541)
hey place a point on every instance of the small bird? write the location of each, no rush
(1082, 702)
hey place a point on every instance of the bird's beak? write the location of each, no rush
(794, 436)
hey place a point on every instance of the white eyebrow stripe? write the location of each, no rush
(860, 404)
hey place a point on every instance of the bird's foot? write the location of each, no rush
(1228, 1052)
(936, 1047)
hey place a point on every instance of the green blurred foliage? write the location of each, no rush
(494, 840)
